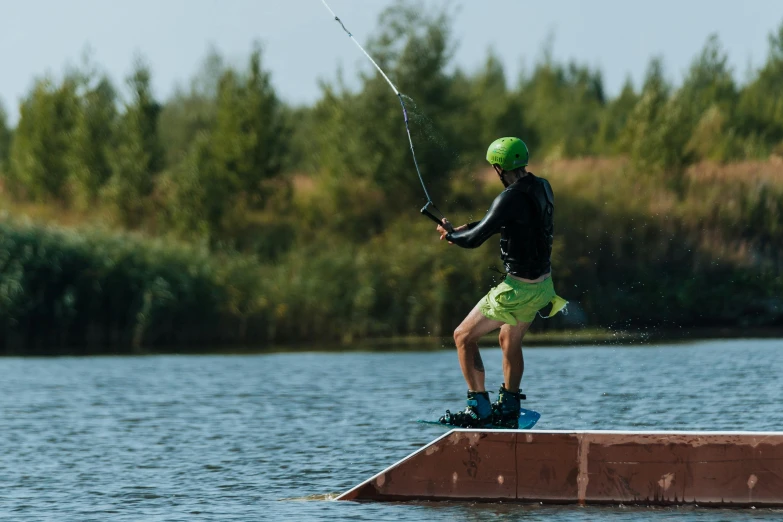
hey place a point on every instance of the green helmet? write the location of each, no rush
(508, 153)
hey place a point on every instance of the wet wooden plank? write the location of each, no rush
(547, 466)
(676, 469)
(461, 465)
(650, 468)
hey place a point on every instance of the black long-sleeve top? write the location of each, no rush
(522, 214)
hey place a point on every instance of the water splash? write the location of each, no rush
(312, 498)
(425, 127)
(425, 123)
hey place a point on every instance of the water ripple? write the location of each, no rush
(274, 437)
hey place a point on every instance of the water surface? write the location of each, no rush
(259, 437)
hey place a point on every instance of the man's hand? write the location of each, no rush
(442, 231)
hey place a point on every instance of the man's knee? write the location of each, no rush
(461, 336)
(510, 337)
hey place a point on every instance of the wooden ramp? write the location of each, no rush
(588, 467)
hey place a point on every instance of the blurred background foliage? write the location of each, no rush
(224, 216)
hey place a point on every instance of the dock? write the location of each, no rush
(721, 469)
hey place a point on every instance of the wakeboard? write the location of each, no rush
(527, 419)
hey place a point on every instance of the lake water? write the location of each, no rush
(271, 437)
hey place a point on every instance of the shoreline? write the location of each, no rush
(598, 336)
(561, 338)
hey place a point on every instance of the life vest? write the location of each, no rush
(526, 246)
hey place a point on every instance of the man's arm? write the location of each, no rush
(476, 233)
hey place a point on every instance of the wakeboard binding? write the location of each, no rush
(506, 410)
(477, 414)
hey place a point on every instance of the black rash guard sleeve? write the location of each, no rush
(499, 213)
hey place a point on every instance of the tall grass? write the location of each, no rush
(628, 253)
(67, 291)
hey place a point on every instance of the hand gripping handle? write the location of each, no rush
(426, 211)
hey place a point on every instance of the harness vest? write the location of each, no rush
(526, 247)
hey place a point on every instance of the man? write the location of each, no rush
(523, 215)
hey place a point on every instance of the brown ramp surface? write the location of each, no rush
(588, 467)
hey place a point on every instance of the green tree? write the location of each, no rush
(191, 112)
(139, 156)
(235, 169)
(489, 106)
(187, 191)
(564, 106)
(710, 80)
(614, 119)
(362, 148)
(657, 132)
(417, 47)
(42, 141)
(708, 97)
(488, 110)
(5, 139)
(760, 108)
(92, 140)
(300, 123)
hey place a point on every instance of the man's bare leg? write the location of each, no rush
(466, 336)
(510, 338)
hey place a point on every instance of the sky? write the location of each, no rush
(303, 44)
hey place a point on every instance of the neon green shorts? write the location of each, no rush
(514, 301)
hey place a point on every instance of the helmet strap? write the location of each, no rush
(501, 172)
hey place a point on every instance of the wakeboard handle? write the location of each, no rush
(426, 211)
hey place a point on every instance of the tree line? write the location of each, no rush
(318, 201)
(200, 163)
